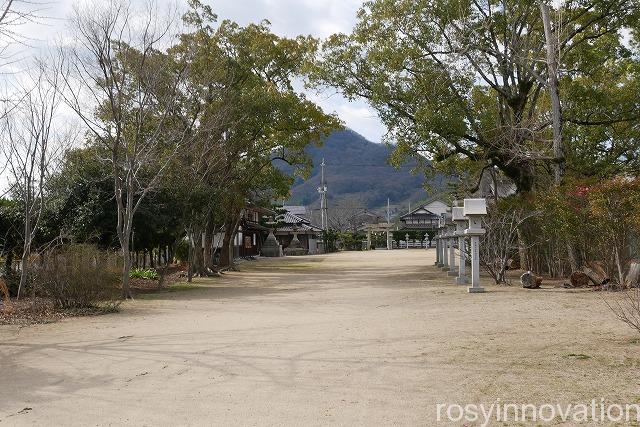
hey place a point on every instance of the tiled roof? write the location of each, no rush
(297, 210)
(300, 229)
(415, 211)
(290, 218)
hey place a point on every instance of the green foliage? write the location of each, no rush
(357, 169)
(141, 273)
(182, 251)
(598, 219)
(461, 84)
(330, 239)
(352, 241)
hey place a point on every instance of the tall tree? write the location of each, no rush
(125, 90)
(462, 83)
(242, 80)
(33, 145)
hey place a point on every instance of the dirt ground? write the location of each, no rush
(359, 338)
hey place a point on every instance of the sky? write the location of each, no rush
(319, 18)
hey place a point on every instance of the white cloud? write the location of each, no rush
(319, 18)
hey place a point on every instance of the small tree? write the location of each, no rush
(626, 306)
(33, 148)
(500, 242)
(126, 91)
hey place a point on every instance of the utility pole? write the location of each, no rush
(323, 198)
(388, 211)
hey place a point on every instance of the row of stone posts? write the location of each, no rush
(463, 221)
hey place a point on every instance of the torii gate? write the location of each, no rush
(381, 227)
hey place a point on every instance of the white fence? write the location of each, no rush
(412, 244)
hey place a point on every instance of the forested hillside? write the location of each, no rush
(357, 169)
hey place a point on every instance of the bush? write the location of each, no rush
(352, 241)
(141, 273)
(584, 221)
(330, 238)
(11, 280)
(78, 277)
(626, 306)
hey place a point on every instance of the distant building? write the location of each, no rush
(424, 217)
(308, 234)
(301, 211)
(253, 231)
(435, 206)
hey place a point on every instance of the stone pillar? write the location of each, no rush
(445, 250)
(406, 239)
(438, 258)
(368, 239)
(461, 224)
(475, 209)
(453, 269)
(462, 278)
(389, 241)
(475, 265)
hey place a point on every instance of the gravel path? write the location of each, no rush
(375, 338)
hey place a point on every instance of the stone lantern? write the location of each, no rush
(438, 244)
(444, 243)
(475, 209)
(461, 222)
(295, 247)
(271, 247)
(451, 233)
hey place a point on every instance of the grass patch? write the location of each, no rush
(182, 286)
(579, 356)
(176, 287)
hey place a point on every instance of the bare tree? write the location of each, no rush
(13, 15)
(346, 215)
(125, 91)
(500, 242)
(33, 145)
(626, 306)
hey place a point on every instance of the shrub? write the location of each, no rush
(626, 306)
(142, 273)
(78, 277)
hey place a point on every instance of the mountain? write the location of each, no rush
(356, 171)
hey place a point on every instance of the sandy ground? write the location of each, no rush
(376, 338)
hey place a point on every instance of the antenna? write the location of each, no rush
(323, 197)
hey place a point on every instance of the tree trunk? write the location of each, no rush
(226, 255)
(190, 256)
(633, 276)
(573, 257)
(126, 270)
(226, 252)
(208, 246)
(199, 254)
(554, 92)
(619, 266)
(522, 251)
(26, 252)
